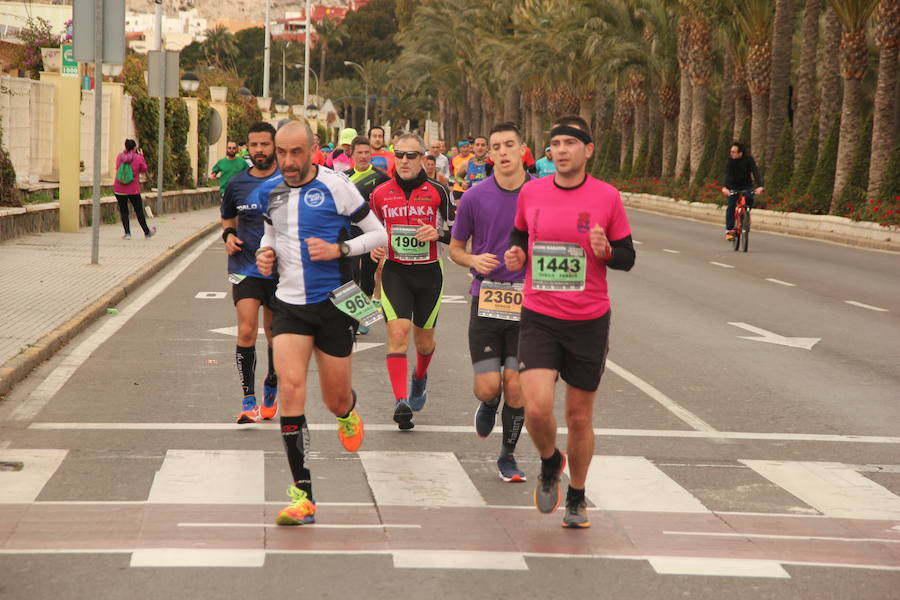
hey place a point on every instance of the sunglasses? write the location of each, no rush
(410, 155)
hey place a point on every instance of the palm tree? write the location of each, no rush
(220, 48)
(806, 78)
(755, 19)
(735, 43)
(887, 35)
(830, 80)
(703, 14)
(683, 153)
(854, 15)
(780, 74)
(328, 32)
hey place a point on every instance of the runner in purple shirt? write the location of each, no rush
(485, 216)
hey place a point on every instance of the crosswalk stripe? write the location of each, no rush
(419, 479)
(459, 559)
(722, 567)
(831, 488)
(633, 483)
(37, 467)
(192, 557)
(210, 477)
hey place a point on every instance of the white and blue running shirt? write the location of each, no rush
(324, 208)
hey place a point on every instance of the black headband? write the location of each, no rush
(569, 130)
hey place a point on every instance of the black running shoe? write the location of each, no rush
(485, 418)
(546, 494)
(576, 516)
(403, 415)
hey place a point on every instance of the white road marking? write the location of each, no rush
(832, 488)
(671, 251)
(723, 265)
(450, 299)
(48, 388)
(210, 295)
(867, 306)
(190, 557)
(459, 559)
(317, 526)
(770, 337)
(210, 477)
(635, 483)
(232, 331)
(780, 282)
(676, 409)
(637, 242)
(469, 430)
(720, 567)
(419, 479)
(38, 466)
(769, 536)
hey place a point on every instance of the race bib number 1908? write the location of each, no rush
(405, 244)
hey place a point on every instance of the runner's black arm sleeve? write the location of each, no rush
(519, 238)
(623, 254)
(444, 211)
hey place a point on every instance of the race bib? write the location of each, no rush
(354, 303)
(558, 267)
(500, 300)
(406, 246)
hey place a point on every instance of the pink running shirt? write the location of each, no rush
(553, 214)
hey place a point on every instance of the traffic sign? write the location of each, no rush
(69, 66)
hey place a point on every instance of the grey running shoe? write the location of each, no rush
(403, 415)
(127, 236)
(485, 418)
(509, 470)
(546, 493)
(576, 516)
(417, 393)
(151, 233)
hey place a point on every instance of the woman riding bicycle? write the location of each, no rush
(741, 175)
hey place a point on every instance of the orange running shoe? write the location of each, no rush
(249, 411)
(351, 431)
(301, 510)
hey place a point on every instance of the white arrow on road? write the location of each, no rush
(773, 338)
(359, 347)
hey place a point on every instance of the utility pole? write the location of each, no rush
(306, 61)
(161, 132)
(98, 130)
(266, 46)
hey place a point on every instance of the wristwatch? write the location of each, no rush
(345, 249)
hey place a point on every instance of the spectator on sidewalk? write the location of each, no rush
(130, 164)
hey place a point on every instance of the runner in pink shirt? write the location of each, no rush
(569, 229)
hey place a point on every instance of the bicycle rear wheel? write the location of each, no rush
(738, 225)
(745, 234)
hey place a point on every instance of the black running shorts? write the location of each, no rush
(493, 343)
(576, 349)
(256, 288)
(333, 331)
(412, 292)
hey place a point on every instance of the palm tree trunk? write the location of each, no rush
(670, 141)
(780, 70)
(641, 128)
(698, 125)
(883, 119)
(323, 51)
(537, 129)
(759, 108)
(741, 113)
(511, 105)
(726, 116)
(806, 78)
(684, 126)
(626, 145)
(851, 129)
(830, 83)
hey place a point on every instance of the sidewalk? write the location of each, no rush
(50, 291)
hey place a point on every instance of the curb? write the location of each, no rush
(839, 230)
(19, 367)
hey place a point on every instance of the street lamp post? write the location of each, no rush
(283, 69)
(350, 63)
(299, 66)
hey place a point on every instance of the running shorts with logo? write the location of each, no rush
(493, 343)
(576, 349)
(412, 292)
(332, 331)
(257, 288)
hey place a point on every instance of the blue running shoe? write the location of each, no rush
(509, 469)
(417, 393)
(270, 401)
(249, 411)
(486, 417)
(403, 415)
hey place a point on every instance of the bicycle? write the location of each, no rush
(741, 231)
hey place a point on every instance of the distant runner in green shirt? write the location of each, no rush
(228, 167)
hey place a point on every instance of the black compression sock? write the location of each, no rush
(553, 463)
(295, 435)
(271, 378)
(513, 419)
(245, 358)
(574, 495)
